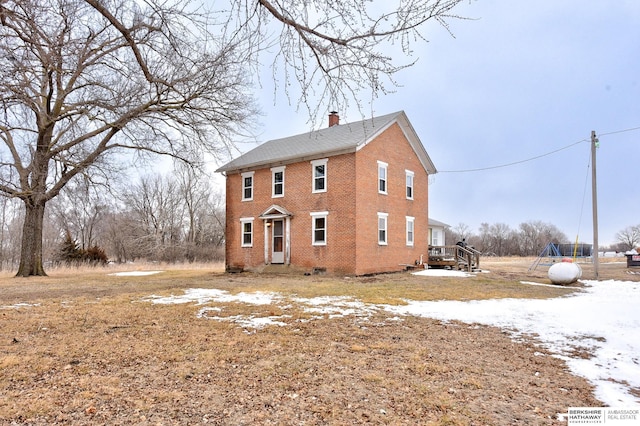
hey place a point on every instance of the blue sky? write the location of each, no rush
(519, 80)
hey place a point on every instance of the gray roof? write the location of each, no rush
(433, 222)
(327, 142)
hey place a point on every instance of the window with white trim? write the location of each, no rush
(382, 228)
(319, 175)
(247, 231)
(434, 237)
(247, 186)
(319, 228)
(409, 179)
(410, 230)
(277, 179)
(382, 177)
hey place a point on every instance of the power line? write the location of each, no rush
(619, 131)
(515, 162)
(537, 156)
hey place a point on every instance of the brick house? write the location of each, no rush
(346, 199)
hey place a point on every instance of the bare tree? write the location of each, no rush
(120, 236)
(629, 237)
(81, 81)
(535, 235)
(482, 242)
(336, 50)
(158, 212)
(194, 190)
(458, 233)
(204, 223)
(495, 239)
(9, 215)
(214, 223)
(79, 210)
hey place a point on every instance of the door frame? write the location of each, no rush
(277, 256)
(276, 213)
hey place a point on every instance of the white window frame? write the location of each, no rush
(384, 168)
(314, 216)
(244, 221)
(314, 178)
(275, 170)
(385, 218)
(244, 187)
(410, 230)
(434, 237)
(409, 184)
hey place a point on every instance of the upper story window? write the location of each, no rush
(409, 175)
(410, 230)
(247, 186)
(382, 228)
(319, 175)
(247, 231)
(382, 177)
(277, 179)
(319, 228)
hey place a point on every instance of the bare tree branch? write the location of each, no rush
(83, 81)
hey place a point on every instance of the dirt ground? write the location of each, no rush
(86, 349)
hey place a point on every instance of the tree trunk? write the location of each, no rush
(31, 252)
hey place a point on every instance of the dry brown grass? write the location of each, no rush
(91, 352)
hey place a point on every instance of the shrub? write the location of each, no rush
(71, 254)
(95, 256)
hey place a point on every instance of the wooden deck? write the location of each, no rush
(454, 257)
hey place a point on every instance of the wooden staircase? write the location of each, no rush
(455, 257)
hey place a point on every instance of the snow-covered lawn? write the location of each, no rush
(135, 273)
(596, 330)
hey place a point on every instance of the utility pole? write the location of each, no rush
(594, 201)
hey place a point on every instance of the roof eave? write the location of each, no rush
(416, 143)
(412, 137)
(284, 161)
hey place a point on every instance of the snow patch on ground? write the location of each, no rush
(443, 273)
(135, 273)
(594, 330)
(603, 321)
(207, 295)
(19, 305)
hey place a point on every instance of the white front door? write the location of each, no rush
(277, 241)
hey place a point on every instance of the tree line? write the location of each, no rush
(86, 84)
(180, 217)
(529, 238)
(173, 217)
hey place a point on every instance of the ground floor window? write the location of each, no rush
(382, 228)
(410, 230)
(434, 237)
(247, 231)
(319, 228)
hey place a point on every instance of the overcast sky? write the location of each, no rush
(519, 80)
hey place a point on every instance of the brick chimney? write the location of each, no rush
(334, 118)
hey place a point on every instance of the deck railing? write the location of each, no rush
(458, 257)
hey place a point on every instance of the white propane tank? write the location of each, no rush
(565, 272)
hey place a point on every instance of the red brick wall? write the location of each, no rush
(339, 253)
(352, 201)
(392, 148)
